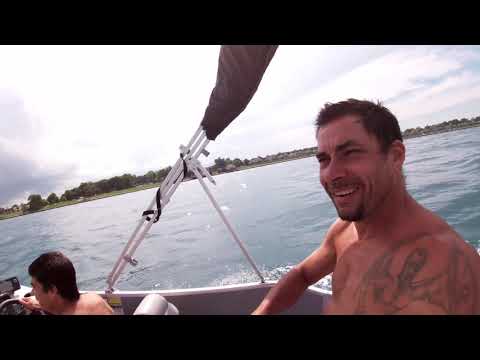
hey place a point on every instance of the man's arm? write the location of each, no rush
(289, 289)
(31, 303)
(464, 280)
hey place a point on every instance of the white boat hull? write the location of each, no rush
(239, 299)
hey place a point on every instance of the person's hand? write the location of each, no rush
(31, 303)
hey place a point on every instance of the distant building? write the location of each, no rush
(256, 160)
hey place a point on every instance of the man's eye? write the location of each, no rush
(348, 152)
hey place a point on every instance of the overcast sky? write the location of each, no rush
(70, 114)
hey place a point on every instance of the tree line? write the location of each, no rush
(35, 202)
(444, 126)
(86, 190)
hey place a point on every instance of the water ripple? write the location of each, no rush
(280, 212)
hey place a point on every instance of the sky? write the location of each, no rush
(71, 114)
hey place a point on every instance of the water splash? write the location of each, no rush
(246, 275)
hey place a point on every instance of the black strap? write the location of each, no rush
(185, 169)
(159, 208)
(159, 196)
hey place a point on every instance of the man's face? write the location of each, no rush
(353, 171)
(45, 298)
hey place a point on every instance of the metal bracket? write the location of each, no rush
(195, 164)
(131, 260)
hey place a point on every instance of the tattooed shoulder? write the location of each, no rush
(420, 277)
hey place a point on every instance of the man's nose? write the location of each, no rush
(335, 170)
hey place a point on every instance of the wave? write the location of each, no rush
(245, 275)
(103, 227)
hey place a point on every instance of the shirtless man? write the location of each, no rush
(388, 254)
(55, 288)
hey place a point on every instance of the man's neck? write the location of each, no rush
(64, 307)
(387, 219)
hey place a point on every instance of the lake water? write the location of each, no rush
(280, 212)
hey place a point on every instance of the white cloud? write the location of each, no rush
(99, 111)
(117, 100)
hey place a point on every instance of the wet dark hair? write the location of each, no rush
(376, 119)
(55, 269)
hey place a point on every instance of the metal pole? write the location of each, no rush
(227, 223)
(168, 187)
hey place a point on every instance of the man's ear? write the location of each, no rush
(397, 153)
(53, 290)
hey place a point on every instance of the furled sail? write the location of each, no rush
(240, 70)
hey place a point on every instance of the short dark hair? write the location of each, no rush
(376, 119)
(55, 269)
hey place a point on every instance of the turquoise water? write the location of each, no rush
(279, 211)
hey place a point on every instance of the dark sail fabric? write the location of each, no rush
(240, 70)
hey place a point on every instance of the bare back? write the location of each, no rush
(91, 304)
(424, 268)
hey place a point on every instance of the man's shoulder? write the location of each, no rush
(338, 227)
(440, 241)
(444, 237)
(92, 300)
(337, 231)
(444, 248)
(94, 303)
(430, 226)
(92, 297)
(458, 247)
(458, 263)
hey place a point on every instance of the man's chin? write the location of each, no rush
(350, 216)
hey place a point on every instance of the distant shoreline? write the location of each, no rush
(435, 132)
(240, 168)
(139, 188)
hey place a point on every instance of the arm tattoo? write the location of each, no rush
(453, 288)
